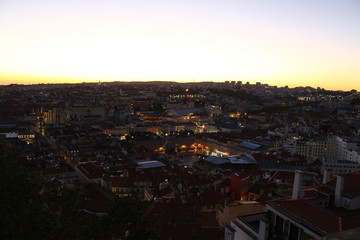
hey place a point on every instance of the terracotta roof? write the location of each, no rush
(141, 177)
(351, 183)
(309, 192)
(211, 197)
(319, 219)
(263, 199)
(288, 175)
(91, 171)
(121, 182)
(308, 215)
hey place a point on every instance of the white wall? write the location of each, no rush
(240, 234)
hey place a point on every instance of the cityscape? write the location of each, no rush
(168, 160)
(180, 120)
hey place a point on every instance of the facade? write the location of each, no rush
(127, 185)
(340, 167)
(340, 149)
(241, 182)
(55, 116)
(249, 227)
(333, 206)
(240, 186)
(334, 148)
(229, 211)
(89, 173)
(312, 149)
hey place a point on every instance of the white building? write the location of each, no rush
(333, 148)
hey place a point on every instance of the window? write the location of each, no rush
(294, 232)
(279, 226)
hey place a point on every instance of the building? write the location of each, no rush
(312, 149)
(230, 211)
(248, 227)
(341, 149)
(241, 182)
(340, 167)
(89, 172)
(333, 148)
(331, 207)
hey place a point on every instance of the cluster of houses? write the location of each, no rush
(212, 160)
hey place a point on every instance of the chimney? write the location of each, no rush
(326, 176)
(296, 194)
(338, 190)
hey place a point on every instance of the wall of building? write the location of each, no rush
(239, 234)
(239, 186)
(335, 148)
(354, 203)
(230, 211)
(338, 167)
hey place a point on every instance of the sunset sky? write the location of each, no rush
(279, 42)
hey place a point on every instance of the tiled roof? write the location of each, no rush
(91, 171)
(263, 199)
(141, 177)
(308, 215)
(319, 219)
(211, 197)
(351, 183)
(121, 182)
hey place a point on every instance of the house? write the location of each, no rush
(229, 211)
(334, 206)
(60, 173)
(89, 172)
(130, 184)
(242, 181)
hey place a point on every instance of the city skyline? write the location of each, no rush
(279, 43)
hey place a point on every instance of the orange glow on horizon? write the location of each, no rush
(332, 83)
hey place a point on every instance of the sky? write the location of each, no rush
(279, 42)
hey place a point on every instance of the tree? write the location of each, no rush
(31, 208)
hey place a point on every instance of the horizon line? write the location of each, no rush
(167, 81)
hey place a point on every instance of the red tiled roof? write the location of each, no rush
(309, 192)
(308, 215)
(141, 177)
(211, 197)
(91, 171)
(351, 183)
(245, 174)
(121, 182)
(285, 175)
(321, 220)
(263, 199)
